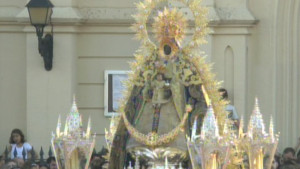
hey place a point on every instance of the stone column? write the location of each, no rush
(286, 81)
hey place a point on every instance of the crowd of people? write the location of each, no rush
(20, 163)
(20, 156)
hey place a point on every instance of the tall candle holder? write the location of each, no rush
(213, 149)
(73, 147)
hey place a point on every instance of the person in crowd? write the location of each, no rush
(97, 161)
(20, 162)
(10, 165)
(297, 150)
(298, 157)
(51, 161)
(19, 146)
(276, 162)
(34, 166)
(288, 154)
(2, 161)
(289, 160)
(43, 166)
(30, 165)
(229, 108)
(27, 164)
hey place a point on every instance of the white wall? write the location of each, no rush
(12, 84)
(106, 50)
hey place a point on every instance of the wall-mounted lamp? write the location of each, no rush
(40, 12)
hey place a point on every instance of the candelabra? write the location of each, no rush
(73, 147)
(259, 145)
(210, 150)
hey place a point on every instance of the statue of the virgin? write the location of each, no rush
(168, 88)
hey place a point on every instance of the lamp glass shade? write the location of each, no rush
(39, 15)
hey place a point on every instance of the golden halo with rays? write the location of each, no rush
(146, 7)
(170, 24)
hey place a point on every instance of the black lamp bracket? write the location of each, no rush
(45, 47)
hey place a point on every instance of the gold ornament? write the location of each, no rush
(153, 139)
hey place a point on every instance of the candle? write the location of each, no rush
(88, 130)
(58, 127)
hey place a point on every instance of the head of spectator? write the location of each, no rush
(18, 145)
(34, 166)
(288, 154)
(17, 137)
(51, 161)
(223, 93)
(43, 166)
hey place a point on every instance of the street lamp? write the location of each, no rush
(40, 12)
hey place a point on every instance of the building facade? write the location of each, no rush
(254, 45)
